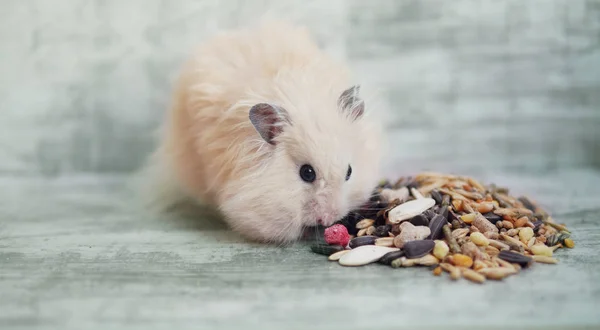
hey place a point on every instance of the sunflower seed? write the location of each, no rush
(382, 231)
(419, 220)
(516, 258)
(385, 241)
(417, 249)
(492, 217)
(363, 240)
(435, 225)
(391, 256)
(326, 249)
(436, 196)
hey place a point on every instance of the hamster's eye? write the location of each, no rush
(307, 173)
(349, 173)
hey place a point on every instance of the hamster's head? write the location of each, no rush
(322, 162)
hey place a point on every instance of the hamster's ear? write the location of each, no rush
(268, 120)
(351, 102)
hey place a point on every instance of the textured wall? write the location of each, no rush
(470, 83)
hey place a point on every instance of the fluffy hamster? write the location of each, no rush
(269, 130)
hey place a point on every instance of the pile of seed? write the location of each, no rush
(449, 223)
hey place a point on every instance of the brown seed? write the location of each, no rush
(454, 271)
(499, 245)
(497, 273)
(361, 232)
(512, 232)
(437, 271)
(460, 233)
(484, 207)
(491, 235)
(468, 218)
(364, 223)
(521, 222)
(472, 275)
(478, 264)
(503, 263)
(499, 224)
(462, 260)
(545, 259)
(569, 243)
(491, 251)
(507, 224)
(483, 224)
(531, 242)
(457, 205)
(471, 250)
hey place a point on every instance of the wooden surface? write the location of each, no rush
(74, 254)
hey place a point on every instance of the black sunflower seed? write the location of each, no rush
(435, 225)
(492, 217)
(420, 220)
(436, 196)
(429, 214)
(536, 226)
(362, 240)
(326, 249)
(417, 249)
(513, 257)
(391, 256)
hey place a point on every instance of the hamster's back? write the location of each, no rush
(209, 137)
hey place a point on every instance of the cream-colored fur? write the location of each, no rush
(211, 152)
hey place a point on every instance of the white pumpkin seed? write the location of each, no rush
(364, 254)
(410, 209)
(336, 256)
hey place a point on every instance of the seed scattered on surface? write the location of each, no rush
(479, 239)
(360, 241)
(469, 230)
(545, 259)
(541, 250)
(441, 249)
(569, 243)
(417, 249)
(462, 260)
(364, 223)
(336, 256)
